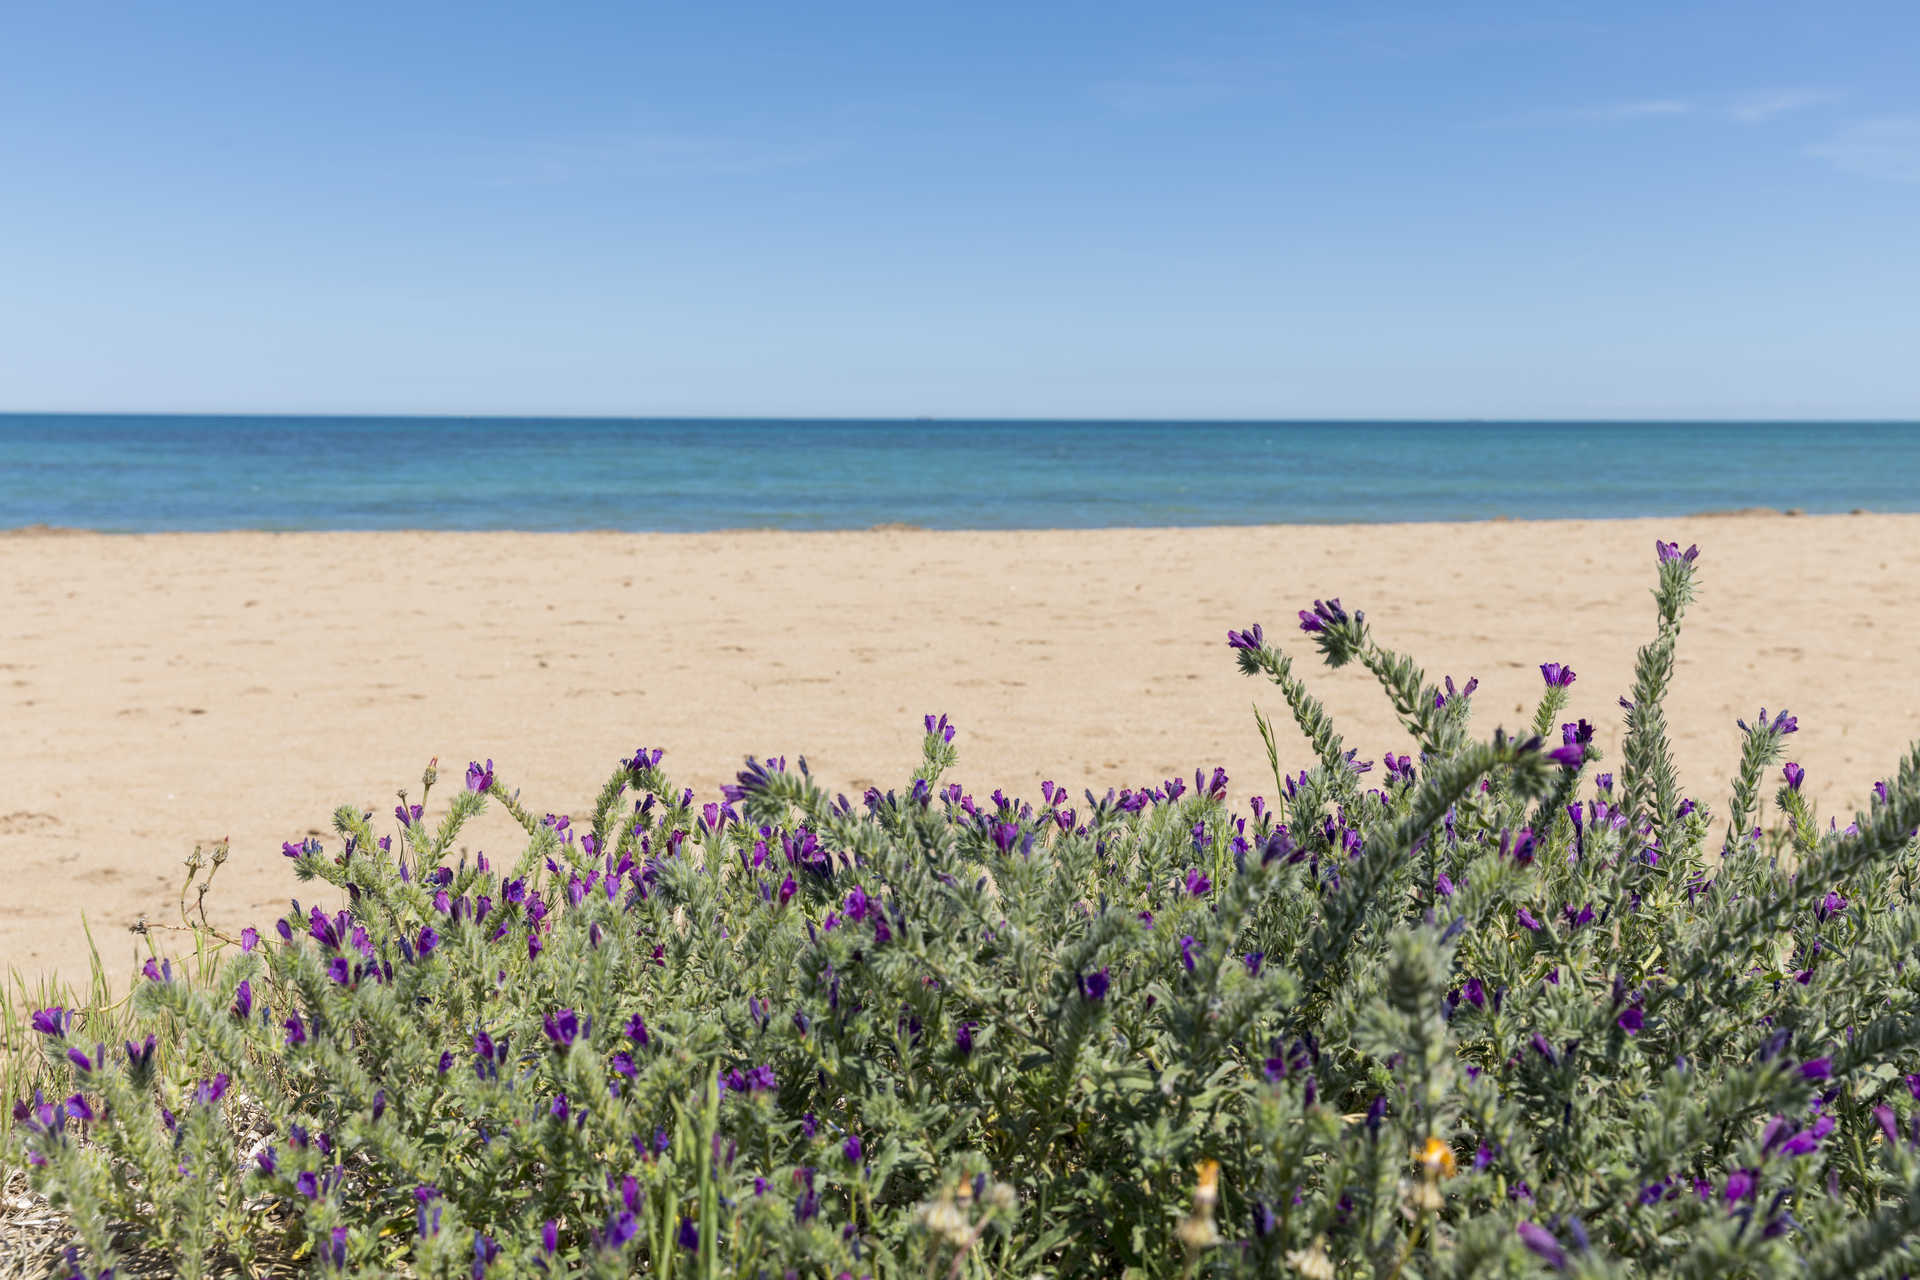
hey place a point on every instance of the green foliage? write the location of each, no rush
(1458, 1022)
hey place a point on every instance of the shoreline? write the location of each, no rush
(40, 530)
(163, 689)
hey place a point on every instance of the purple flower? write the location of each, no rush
(479, 778)
(550, 1236)
(162, 971)
(249, 938)
(1526, 918)
(335, 1253)
(1197, 883)
(940, 727)
(265, 1160)
(1780, 726)
(1815, 1069)
(428, 941)
(562, 1028)
(1569, 755)
(408, 814)
(1543, 1244)
(963, 1038)
(689, 1236)
(1556, 675)
(1251, 638)
(307, 1184)
(296, 1031)
(1740, 1184)
(1670, 551)
(636, 1029)
(1325, 613)
(243, 1000)
(621, 1228)
(338, 971)
(55, 1022)
(1631, 1020)
(1254, 960)
(1832, 905)
(140, 1057)
(1807, 1141)
(1794, 774)
(1186, 951)
(852, 1148)
(1093, 986)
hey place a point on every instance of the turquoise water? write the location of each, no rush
(139, 473)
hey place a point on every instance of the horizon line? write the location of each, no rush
(961, 420)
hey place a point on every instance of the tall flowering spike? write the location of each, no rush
(479, 776)
(1556, 675)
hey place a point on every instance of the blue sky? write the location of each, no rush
(1037, 209)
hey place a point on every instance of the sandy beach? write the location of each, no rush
(163, 690)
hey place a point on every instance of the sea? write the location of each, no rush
(151, 473)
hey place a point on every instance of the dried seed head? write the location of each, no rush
(1312, 1263)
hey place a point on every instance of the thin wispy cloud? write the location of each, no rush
(1887, 149)
(1640, 109)
(1758, 108)
(1755, 107)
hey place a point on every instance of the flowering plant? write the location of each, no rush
(1481, 1014)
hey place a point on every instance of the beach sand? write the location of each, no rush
(165, 690)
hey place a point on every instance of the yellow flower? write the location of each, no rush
(1196, 1231)
(1436, 1158)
